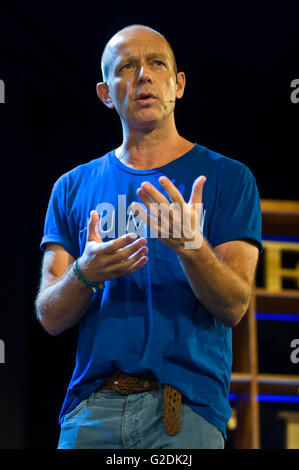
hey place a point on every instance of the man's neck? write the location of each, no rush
(152, 149)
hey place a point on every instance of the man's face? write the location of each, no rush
(142, 79)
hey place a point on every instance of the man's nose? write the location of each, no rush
(144, 74)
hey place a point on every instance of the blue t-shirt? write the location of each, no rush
(150, 320)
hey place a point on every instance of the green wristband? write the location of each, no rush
(93, 285)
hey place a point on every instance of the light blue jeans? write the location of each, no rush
(109, 420)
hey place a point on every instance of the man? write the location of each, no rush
(155, 312)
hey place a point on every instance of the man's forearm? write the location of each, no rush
(221, 290)
(62, 304)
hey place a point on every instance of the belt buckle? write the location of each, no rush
(115, 385)
(116, 382)
(122, 391)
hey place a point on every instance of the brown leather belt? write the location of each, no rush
(172, 398)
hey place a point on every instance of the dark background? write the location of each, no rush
(239, 59)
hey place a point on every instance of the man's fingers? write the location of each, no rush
(144, 216)
(123, 253)
(131, 263)
(93, 233)
(172, 190)
(196, 193)
(152, 192)
(137, 262)
(112, 246)
(126, 260)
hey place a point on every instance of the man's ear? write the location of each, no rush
(180, 82)
(103, 94)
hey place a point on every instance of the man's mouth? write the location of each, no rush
(145, 97)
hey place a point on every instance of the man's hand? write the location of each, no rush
(102, 261)
(62, 299)
(176, 223)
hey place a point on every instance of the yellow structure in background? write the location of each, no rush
(274, 272)
(280, 220)
(291, 419)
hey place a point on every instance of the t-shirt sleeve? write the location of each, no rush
(238, 209)
(56, 227)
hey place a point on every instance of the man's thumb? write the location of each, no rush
(93, 233)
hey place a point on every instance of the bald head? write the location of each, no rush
(128, 33)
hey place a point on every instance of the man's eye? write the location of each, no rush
(158, 62)
(126, 66)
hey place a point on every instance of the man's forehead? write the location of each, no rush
(128, 44)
